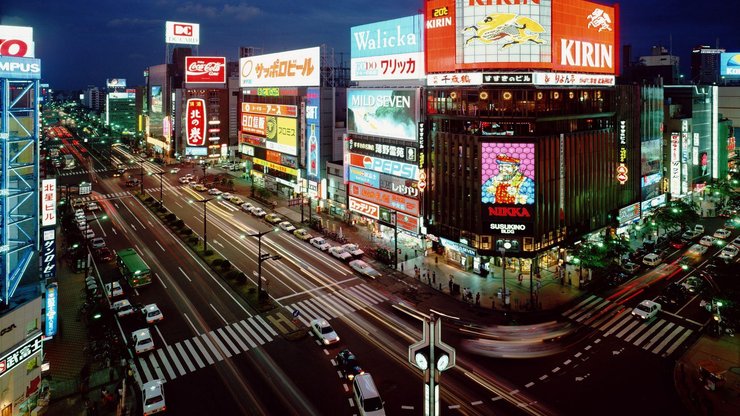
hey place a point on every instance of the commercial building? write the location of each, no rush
(120, 107)
(523, 145)
(705, 65)
(94, 99)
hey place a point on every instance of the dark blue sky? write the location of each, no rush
(84, 42)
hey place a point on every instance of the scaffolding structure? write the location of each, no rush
(19, 181)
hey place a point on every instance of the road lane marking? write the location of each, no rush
(186, 276)
(530, 384)
(160, 335)
(648, 332)
(543, 377)
(236, 337)
(191, 324)
(219, 315)
(251, 331)
(160, 280)
(222, 347)
(155, 365)
(658, 336)
(556, 369)
(244, 335)
(165, 361)
(160, 246)
(203, 350)
(145, 367)
(195, 354)
(678, 342)
(132, 226)
(266, 325)
(665, 341)
(176, 360)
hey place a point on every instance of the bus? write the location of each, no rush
(133, 268)
(69, 162)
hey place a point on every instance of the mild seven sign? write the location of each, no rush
(389, 37)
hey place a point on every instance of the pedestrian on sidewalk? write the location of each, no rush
(520, 278)
(436, 259)
(450, 284)
(401, 267)
(434, 277)
(477, 299)
(539, 285)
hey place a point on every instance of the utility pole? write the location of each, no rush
(431, 356)
(205, 222)
(261, 258)
(161, 200)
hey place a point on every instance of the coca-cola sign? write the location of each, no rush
(205, 69)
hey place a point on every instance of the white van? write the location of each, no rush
(652, 259)
(366, 396)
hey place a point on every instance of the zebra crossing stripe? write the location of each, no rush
(634, 333)
(268, 326)
(251, 331)
(360, 297)
(322, 307)
(300, 316)
(592, 311)
(343, 304)
(659, 336)
(241, 332)
(602, 316)
(166, 362)
(623, 319)
(203, 350)
(309, 308)
(649, 332)
(236, 337)
(228, 340)
(220, 344)
(256, 324)
(666, 341)
(678, 342)
(194, 355)
(585, 308)
(627, 328)
(373, 294)
(145, 368)
(176, 360)
(569, 311)
(155, 365)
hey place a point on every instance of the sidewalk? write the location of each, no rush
(65, 354)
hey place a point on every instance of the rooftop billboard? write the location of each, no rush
(383, 112)
(205, 69)
(297, 68)
(16, 41)
(730, 65)
(182, 33)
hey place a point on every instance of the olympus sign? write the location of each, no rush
(23, 68)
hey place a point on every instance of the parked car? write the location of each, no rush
(87, 232)
(692, 284)
(104, 254)
(353, 249)
(113, 289)
(736, 241)
(122, 308)
(707, 240)
(696, 250)
(184, 179)
(630, 267)
(679, 244)
(214, 191)
(247, 207)
(287, 226)
(226, 195)
(691, 234)
(320, 243)
(348, 364)
(98, 242)
(364, 268)
(729, 252)
(731, 224)
(200, 188)
(142, 341)
(302, 234)
(152, 313)
(190, 176)
(324, 332)
(699, 228)
(273, 218)
(236, 200)
(92, 206)
(258, 212)
(652, 259)
(722, 233)
(647, 309)
(340, 253)
(152, 397)
(174, 170)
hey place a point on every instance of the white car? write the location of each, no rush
(142, 341)
(736, 241)
(340, 253)
(87, 232)
(122, 308)
(184, 179)
(690, 234)
(722, 233)
(190, 176)
(324, 332)
(174, 170)
(79, 213)
(320, 243)
(97, 243)
(214, 191)
(287, 226)
(729, 252)
(113, 289)
(258, 212)
(697, 250)
(92, 206)
(353, 249)
(226, 195)
(364, 268)
(647, 309)
(247, 207)
(152, 397)
(707, 240)
(152, 313)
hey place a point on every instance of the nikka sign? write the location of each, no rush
(196, 122)
(205, 69)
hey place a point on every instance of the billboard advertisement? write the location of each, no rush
(313, 134)
(156, 98)
(48, 253)
(20, 68)
(381, 112)
(115, 82)
(365, 208)
(507, 187)
(390, 167)
(364, 177)
(270, 109)
(17, 41)
(50, 325)
(729, 65)
(182, 33)
(675, 169)
(254, 123)
(297, 68)
(196, 122)
(385, 150)
(205, 69)
(48, 202)
(386, 199)
(567, 35)
(392, 49)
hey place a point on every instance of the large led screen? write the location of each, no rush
(508, 187)
(387, 113)
(156, 98)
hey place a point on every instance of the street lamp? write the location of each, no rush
(205, 221)
(395, 238)
(161, 200)
(261, 258)
(506, 246)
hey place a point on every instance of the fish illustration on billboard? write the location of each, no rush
(509, 27)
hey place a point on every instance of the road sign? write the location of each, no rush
(296, 313)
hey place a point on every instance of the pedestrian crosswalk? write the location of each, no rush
(79, 172)
(99, 197)
(172, 361)
(657, 336)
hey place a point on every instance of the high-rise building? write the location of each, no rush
(705, 65)
(94, 99)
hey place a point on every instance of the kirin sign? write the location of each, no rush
(196, 122)
(205, 69)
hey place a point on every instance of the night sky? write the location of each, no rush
(82, 43)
